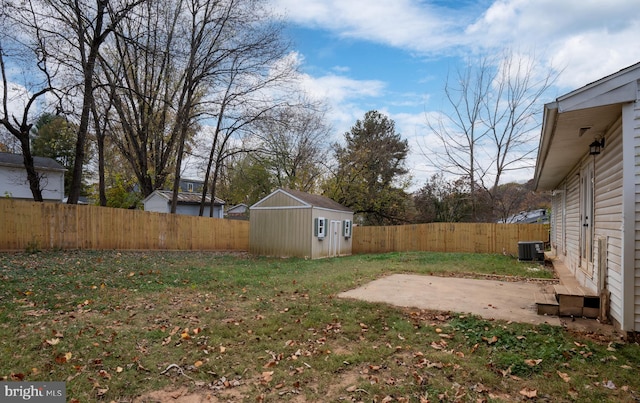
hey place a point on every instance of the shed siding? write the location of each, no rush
(281, 232)
(280, 199)
(608, 217)
(335, 244)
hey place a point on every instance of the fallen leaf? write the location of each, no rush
(532, 363)
(53, 341)
(198, 364)
(267, 376)
(529, 393)
(223, 349)
(119, 369)
(490, 341)
(565, 377)
(102, 391)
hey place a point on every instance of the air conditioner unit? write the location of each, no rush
(531, 251)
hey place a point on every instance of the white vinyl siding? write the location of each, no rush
(608, 216)
(634, 123)
(572, 234)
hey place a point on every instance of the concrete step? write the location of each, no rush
(565, 300)
(546, 303)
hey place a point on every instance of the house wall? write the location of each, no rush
(334, 244)
(156, 203)
(631, 123)
(14, 184)
(608, 219)
(281, 231)
(194, 210)
(607, 224)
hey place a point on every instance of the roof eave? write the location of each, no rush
(549, 120)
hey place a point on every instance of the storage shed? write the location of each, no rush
(294, 223)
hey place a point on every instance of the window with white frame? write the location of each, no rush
(346, 228)
(320, 227)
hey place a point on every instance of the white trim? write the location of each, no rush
(267, 197)
(628, 217)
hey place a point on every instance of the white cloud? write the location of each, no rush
(585, 39)
(408, 24)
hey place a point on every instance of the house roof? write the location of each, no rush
(308, 199)
(576, 119)
(184, 197)
(15, 160)
(238, 208)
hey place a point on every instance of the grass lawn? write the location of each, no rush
(118, 325)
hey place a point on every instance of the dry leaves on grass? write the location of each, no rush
(529, 393)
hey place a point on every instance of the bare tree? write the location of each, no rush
(144, 82)
(293, 145)
(81, 28)
(492, 124)
(31, 53)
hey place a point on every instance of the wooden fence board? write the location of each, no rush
(447, 237)
(25, 225)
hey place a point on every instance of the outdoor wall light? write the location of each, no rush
(596, 147)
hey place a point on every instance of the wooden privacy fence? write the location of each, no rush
(447, 237)
(30, 225)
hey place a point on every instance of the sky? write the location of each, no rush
(394, 56)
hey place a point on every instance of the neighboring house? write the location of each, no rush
(294, 223)
(188, 203)
(14, 183)
(238, 212)
(588, 159)
(191, 185)
(538, 216)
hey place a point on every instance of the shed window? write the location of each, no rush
(346, 228)
(320, 227)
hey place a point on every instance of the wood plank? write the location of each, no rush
(545, 298)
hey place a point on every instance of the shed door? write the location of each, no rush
(586, 215)
(334, 238)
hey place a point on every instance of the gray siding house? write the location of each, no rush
(588, 159)
(294, 223)
(188, 203)
(14, 183)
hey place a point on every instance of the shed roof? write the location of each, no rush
(576, 119)
(185, 197)
(311, 200)
(16, 160)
